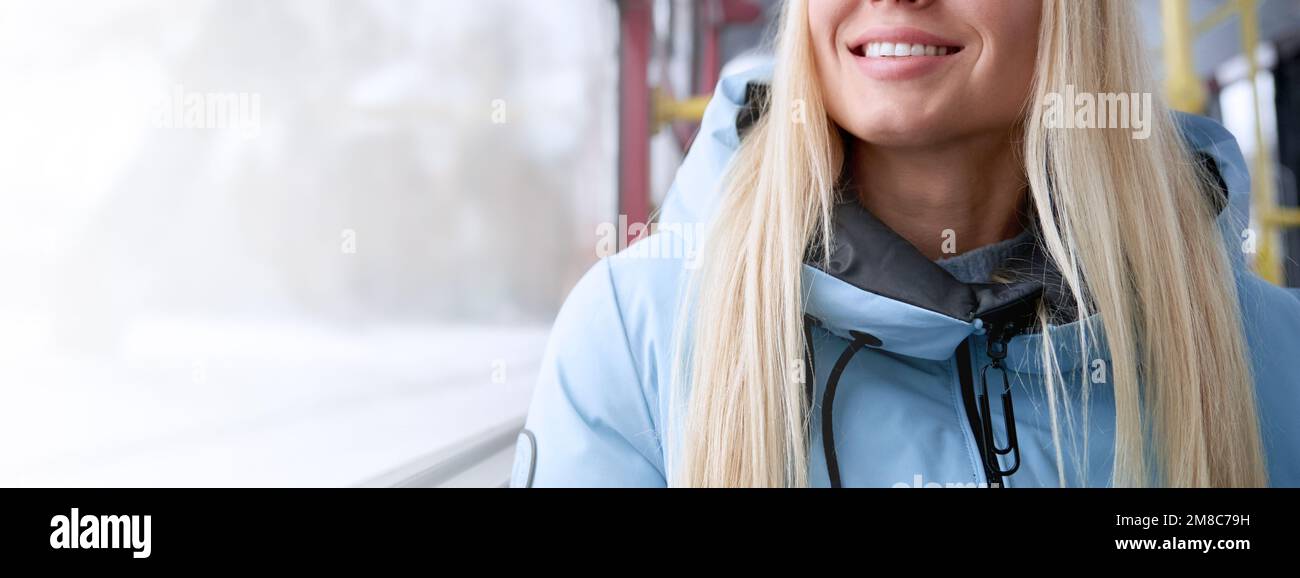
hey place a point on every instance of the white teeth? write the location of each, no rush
(900, 49)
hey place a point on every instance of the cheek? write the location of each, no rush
(1008, 21)
(828, 14)
(1018, 31)
(825, 18)
(1010, 31)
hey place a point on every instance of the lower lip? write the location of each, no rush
(901, 68)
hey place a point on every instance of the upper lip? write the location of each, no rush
(900, 34)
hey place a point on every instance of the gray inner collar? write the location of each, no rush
(872, 257)
(984, 264)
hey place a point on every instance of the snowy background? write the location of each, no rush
(364, 279)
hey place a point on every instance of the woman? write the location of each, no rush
(916, 276)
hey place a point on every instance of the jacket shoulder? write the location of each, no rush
(1271, 320)
(597, 409)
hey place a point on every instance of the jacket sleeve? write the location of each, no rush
(589, 424)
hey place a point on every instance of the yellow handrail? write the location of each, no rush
(1186, 93)
(668, 109)
(1183, 87)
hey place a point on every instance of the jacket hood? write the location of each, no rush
(879, 284)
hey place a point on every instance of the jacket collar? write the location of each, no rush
(876, 282)
(873, 257)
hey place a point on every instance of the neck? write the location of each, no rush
(945, 200)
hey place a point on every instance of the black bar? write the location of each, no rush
(446, 529)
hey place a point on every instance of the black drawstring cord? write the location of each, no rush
(860, 340)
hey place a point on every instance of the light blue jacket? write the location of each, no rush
(905, 410)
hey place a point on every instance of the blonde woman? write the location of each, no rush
(917, 274)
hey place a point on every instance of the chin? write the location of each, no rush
(901, 134)
(900, 126)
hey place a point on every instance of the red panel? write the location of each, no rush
(713, 16)
(740, 11)
(636, 23)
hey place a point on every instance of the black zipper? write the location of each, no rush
(976, 401)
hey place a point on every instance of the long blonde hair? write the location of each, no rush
(1127, 222)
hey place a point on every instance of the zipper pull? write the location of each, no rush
(999, 337)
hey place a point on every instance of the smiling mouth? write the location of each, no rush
(902, 50)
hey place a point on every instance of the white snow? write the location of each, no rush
(219, 403)
(314, 303)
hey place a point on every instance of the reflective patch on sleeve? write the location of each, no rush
(525, 460)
